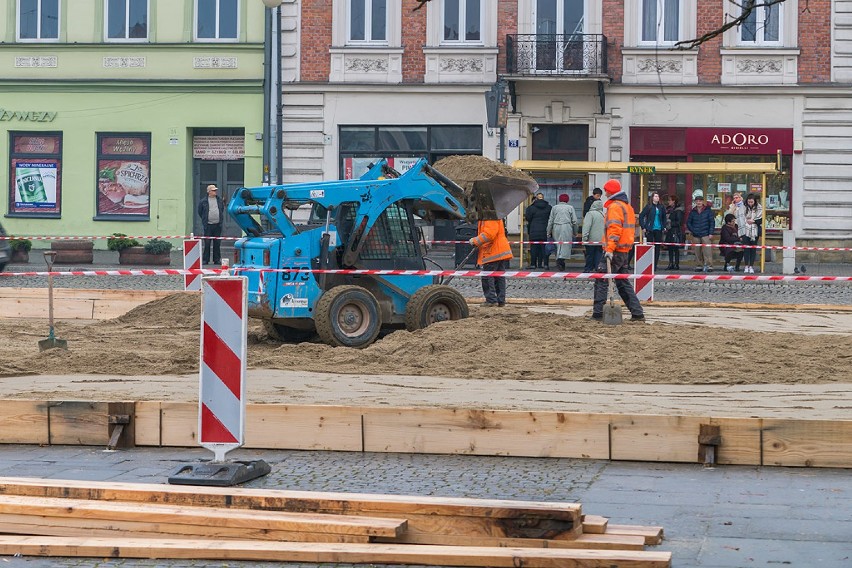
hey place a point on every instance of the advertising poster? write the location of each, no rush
(124, 176)
(36, 185)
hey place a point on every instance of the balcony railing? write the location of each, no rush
(561, 55)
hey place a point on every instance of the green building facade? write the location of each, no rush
(116, 114)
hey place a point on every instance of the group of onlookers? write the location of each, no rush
(662, 221)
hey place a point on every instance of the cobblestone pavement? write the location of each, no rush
(713, 517)
(837, 293)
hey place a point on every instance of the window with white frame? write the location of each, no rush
(368, 20)
(762, 26)
(217, 20)
(462, 21)
(660, 21)
(126, 20)
(38, 19)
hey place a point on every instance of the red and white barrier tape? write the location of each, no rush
(455, 273)
(183, 237)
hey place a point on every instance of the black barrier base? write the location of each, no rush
(222, 474)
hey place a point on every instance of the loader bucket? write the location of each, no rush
(497, 196)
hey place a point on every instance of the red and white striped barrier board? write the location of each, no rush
(643, 266)
(192, 261)
(222, 371)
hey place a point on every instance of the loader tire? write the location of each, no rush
(433, 304)
(348, 316)
(287, 334)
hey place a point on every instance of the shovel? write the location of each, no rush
(611, 312)
(51, 342)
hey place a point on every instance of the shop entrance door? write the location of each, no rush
(228, 176)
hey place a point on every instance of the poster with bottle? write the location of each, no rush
(36, 185)
(124, 175)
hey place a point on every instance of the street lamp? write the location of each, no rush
(267, 91)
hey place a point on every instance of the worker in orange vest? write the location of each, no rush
(494, 254)
(619, 235)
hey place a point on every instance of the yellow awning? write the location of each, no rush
(553, 166)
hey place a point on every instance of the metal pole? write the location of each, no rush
(267, 92)
(279, 156)
(762, 222)
(641, 202)
(502, 145)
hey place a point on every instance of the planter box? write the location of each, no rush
(20, 256)
(73, 252)
(138, 256)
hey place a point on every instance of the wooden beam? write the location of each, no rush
(329, 552)
(583, 541)
(201, 516)
(652, 535)
(593, 524)
(426, 515)
(23, 422)
(79, 423)
(807, 443)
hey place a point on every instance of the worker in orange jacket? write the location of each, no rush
(494, 254)
(619, 235)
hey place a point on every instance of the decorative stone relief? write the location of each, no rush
(461, 65)
(659, 65)
(43, 61)
(759, 65)
(124, 62)
(365, 65)
(214, 62)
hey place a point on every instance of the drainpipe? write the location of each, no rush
(279, 167)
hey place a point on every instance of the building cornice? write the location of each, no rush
(839, 90)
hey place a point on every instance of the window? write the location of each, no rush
(660, 21)
(762, 26)
(35, 160)
(126, 19)
(217, 19)
(462, 20)
(368, 20)
(124, 176)
(38, 19)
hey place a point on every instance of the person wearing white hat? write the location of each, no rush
(211, 209)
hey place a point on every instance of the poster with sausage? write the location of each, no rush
(124, 176)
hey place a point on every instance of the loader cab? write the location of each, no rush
(391, 243)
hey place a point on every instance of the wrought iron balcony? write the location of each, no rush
(558, 55)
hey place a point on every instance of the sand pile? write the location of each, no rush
(510, 343)
(464, 170)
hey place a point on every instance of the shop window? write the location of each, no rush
(762, 26)
(35, 161)
(462, 21)
(126, 20)
(660, 21)
(368, 20)
(560, 142)
(361, 146)
(38, 20)
(124, 176)
(216, 19)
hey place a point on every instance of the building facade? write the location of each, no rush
(597, 80)
(117, 113)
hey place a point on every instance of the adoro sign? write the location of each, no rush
(756, 141)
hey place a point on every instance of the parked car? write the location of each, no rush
(5, 250)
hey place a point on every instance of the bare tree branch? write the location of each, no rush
(748, 6)
(422, 3)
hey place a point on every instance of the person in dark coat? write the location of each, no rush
(595, 196)
(652, 219)
(674, 231)
(701, 223)
(536, 216)
(730, 235)
(211, 209)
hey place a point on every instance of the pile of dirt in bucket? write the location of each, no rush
(464, 170)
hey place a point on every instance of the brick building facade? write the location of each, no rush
(593, 80)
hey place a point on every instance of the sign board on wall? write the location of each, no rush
(218, 147)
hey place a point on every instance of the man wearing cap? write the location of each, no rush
(211, 209)
(619, 235)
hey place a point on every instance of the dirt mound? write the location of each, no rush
(162, 337)
(464, 170)
(177, 309)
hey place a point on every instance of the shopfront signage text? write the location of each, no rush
(641, 169)
(30, 115)
(754, 141)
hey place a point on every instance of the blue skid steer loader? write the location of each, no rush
(366, 223)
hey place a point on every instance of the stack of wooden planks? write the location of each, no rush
(61, 518)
